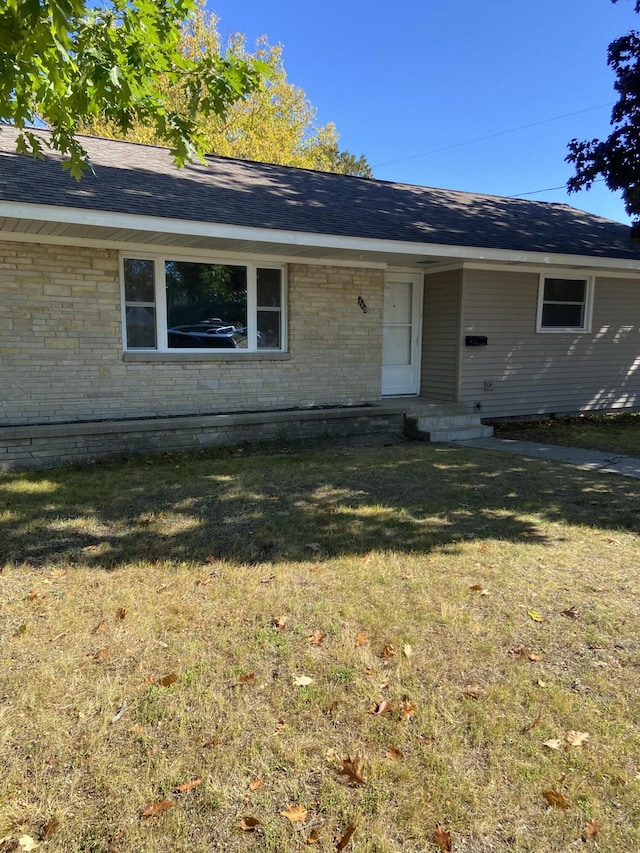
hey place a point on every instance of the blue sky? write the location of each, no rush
(404, 80)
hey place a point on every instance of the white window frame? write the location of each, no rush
(252, 268)
(585, 328)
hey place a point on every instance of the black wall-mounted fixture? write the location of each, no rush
(476, 341)
(362, 304)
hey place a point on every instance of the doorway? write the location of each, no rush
(401, 338)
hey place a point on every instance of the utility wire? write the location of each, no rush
(549, 189)
(492, 136)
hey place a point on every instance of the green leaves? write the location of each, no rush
(64, 64)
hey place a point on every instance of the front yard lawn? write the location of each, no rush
(389, 649)
(613, 433)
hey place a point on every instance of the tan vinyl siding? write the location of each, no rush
(62, 360)
(441, 335)
(542, 373)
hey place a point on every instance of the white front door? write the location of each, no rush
(401, 334)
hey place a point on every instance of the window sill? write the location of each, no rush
(200, 357)
(563, 331)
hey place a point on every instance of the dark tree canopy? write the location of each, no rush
(616, 158)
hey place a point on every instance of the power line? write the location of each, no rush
(537, 192)
(492, 136)
(549, 189)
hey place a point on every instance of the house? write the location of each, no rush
(148, 307)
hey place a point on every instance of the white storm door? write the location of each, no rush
(401, 334)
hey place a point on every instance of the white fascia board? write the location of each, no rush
(590, 267)
(137, 222)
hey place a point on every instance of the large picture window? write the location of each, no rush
(197, 305)
(564, 304)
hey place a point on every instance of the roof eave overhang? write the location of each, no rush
(365, 246)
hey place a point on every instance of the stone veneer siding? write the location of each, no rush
(62, 359)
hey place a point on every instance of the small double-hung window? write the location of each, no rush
(564, 304)
(200, 305)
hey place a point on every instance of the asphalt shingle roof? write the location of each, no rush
(142, 179)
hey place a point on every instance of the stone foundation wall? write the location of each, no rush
(50, 446)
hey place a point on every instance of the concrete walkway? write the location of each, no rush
(589, 460)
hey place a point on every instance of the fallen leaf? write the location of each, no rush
(167, 680)
(479, 588)
(474, 691)
(571, 612)
(101, 655)
(114, 841)
(279, 623)
(248, 824)
(407, 650)
(352, 768)
(245, 679)
(121, 613)
(394, 753)
(442, 838)
(255, 784)
(295, 814)
(345, 838)
(316, 637)
(388, 652)
(521, 651)
(576, 738)
(378, 708)
(303, 681)
(535, 615)
(58, 573)
(556, 799)
(362, 638)
(157, 808)
(541, 682)
(553, 743)
(535, 657)
(407, 709)
(313, 836)
(592, 828)
(102, 624)
(188, 786)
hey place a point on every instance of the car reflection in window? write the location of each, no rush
(208, 334)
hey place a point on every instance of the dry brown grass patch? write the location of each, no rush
(155, 622)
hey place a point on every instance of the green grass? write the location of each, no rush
(612, 433)
(200, 568)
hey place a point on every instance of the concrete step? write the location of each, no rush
(465, 433)
(442, 427)
(442, 420)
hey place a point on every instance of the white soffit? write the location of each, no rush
(122, 227)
